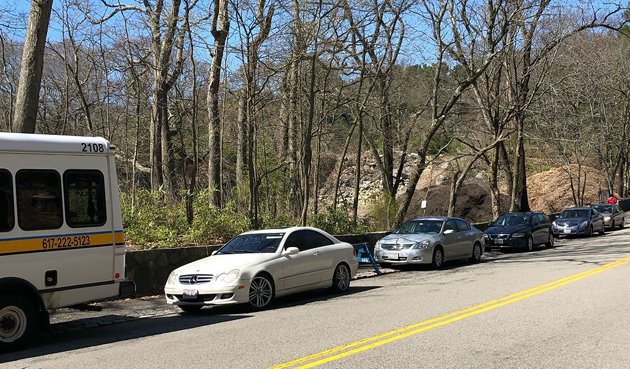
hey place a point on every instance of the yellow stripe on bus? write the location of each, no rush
(60, 242)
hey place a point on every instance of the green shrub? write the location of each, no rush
(152, 222)
(278, 221)
(156, 222)
(336, 221)
(212, 225)
(382, 209)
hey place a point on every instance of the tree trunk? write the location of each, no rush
(519, 198)
(291, 115)
(192, 188)
(220, 34)
(355, 200)
(155, 147)
(341, 166)
(27, 98)
(452, 199)
(495, 194)
(622, 181)
(241, 149)
(386, 137)
(308, 137)
(252, 175)
(411, 188)
(166, 149)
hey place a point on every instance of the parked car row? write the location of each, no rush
(532, 229)
(256, 267)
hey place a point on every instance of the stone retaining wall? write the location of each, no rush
(149, 269)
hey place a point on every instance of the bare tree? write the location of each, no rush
(166, 38)
(455, 31)
(380, 33)
(532, 41)
(255, 34)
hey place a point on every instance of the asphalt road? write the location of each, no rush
(566, 307)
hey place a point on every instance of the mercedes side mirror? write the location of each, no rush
(291, 251)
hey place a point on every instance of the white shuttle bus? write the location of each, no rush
(61, 230)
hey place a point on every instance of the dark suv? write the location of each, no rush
(519, 230)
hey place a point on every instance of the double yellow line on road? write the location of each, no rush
(368, 343)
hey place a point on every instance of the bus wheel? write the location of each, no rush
(18, 322)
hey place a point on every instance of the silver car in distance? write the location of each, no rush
(255, 267)
(430, 240)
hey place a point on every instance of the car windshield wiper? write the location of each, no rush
(226, 252)
(245, 251)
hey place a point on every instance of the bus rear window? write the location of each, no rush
(7, 216)
(39, 199)
(85, 198)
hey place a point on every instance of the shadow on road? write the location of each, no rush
(298, 299)
(51, 343)
(86, 332)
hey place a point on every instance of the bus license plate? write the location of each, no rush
(190, 294)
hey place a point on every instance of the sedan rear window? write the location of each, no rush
(574, 214)
(510, 220)
(253, 243)
(420, 226)
(605, 208)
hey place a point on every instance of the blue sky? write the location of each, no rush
(16, 25)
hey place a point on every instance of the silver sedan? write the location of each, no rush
(430, 240)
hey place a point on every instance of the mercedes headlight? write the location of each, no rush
(229, 277)
(172, 278)
(422, 244)
(518, 235)
(584, 224)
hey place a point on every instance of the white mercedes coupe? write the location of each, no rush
(256, 267)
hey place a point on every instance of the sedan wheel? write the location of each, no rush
(476, 253)
(438, 258)
(260, 292)
(530, 244)
(551, 240)
(341, 278)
